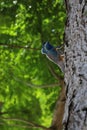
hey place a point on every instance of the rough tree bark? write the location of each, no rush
(75, 116)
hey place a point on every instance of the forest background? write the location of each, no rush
(29, 83)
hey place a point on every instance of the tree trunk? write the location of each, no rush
(75, 116)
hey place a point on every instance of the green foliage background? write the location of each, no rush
(24, 72)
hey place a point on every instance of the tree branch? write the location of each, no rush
(27, 123)
(34, 85)
(14, 125)
(58, 77)
(18, 46)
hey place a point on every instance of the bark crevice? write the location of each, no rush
(76, 65)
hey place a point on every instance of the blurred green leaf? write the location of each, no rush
(28, 24)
